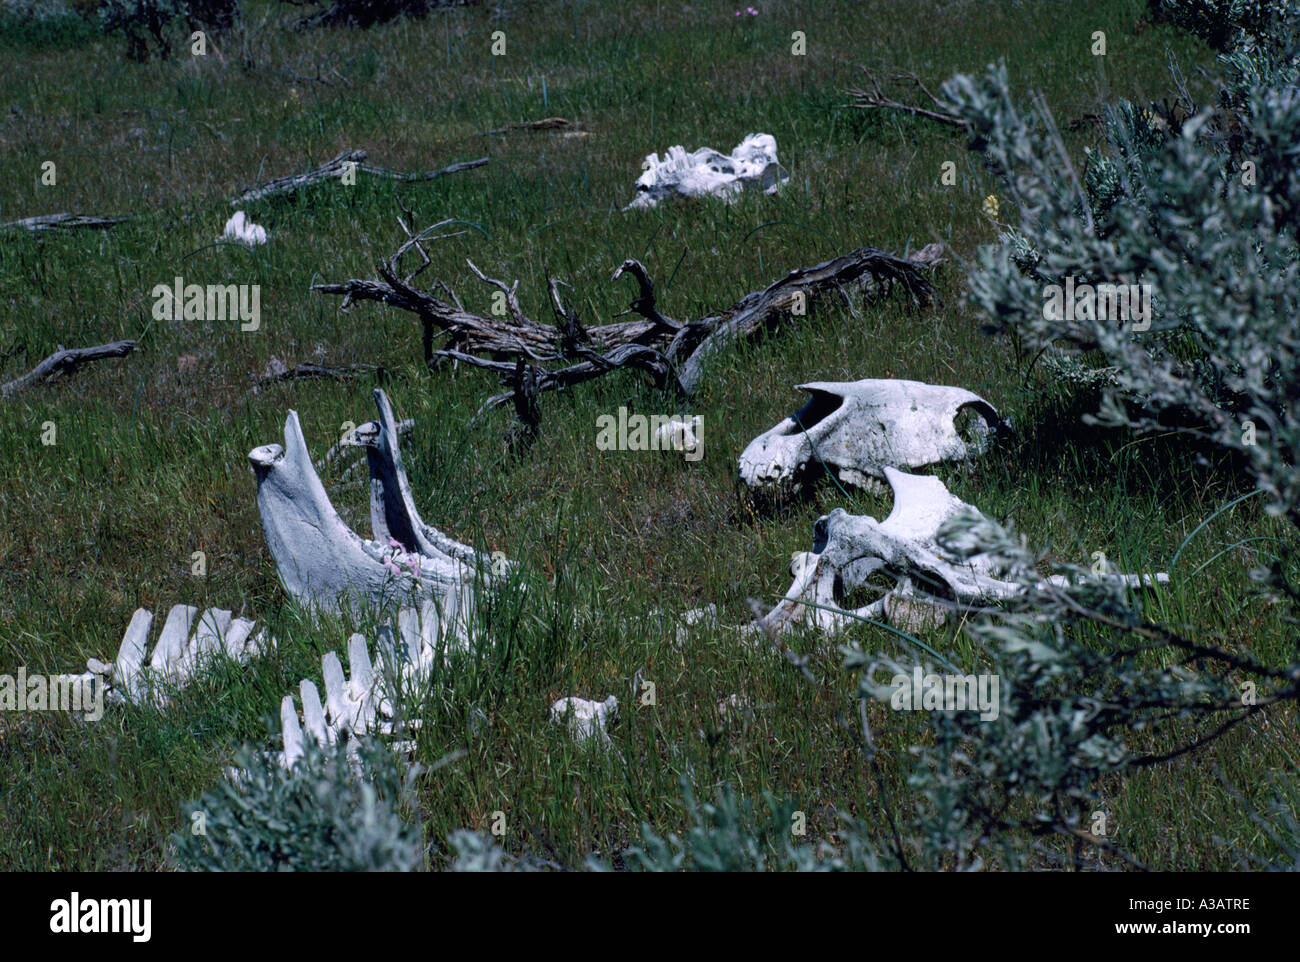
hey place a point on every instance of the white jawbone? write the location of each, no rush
(323, 562)
(848, 549)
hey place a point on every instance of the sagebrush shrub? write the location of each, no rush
(321, 816)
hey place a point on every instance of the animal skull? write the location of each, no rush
(710, 173)
(327, 566)
(848, 549)
(862, 427)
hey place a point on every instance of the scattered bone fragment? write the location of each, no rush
(692, 618)
(241, 230)
(586, 720)
(679, 434)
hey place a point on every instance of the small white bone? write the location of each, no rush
(585, 719)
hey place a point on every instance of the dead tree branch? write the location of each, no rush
(62, 221)
(875, 99)
(64, 361)
(532, 357)
(336, 168)
(547, 123)
(868, 269)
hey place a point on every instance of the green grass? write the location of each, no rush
(150, 461)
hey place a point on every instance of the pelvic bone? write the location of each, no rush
(709, 173)
(861, 427)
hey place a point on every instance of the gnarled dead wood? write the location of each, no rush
(53, 221)
(524, 351)
(875, 99)
(867, 268)
(65, 361)
(336, 167)
(547, 123)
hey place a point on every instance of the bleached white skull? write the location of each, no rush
(858, 428)
(849, 549)
(322, 561)
(707, 172)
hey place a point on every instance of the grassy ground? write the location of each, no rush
(149, 464)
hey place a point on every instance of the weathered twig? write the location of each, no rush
(875, 99)
(336, 168)
(342, 372)
(56, 221)
(548, 123)
(65, 361)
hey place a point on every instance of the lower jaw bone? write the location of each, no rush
(850, 548)
(323, 563)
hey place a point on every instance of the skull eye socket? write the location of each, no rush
(973, 426)
(820, 406)
(821, 535)
(875, 586)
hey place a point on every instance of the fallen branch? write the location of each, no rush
(342, 372)
(64, 361)
(336, 168)
(875, 99)
(869, 269)
(522, 350)
(62, 221)
(548, 123)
